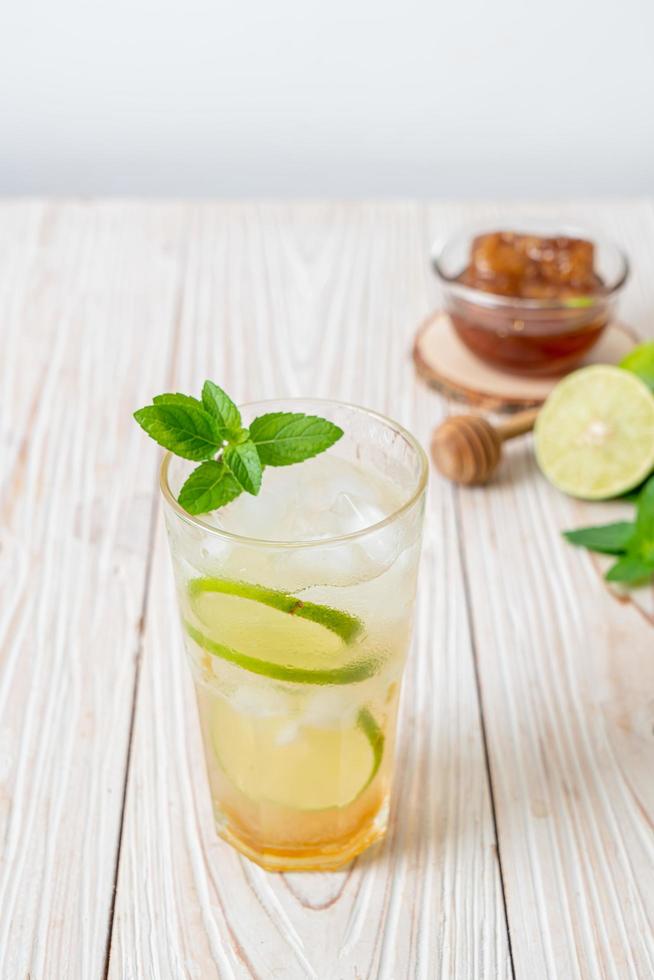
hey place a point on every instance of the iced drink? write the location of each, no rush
(296, 608)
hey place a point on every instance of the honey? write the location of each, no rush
(538, 303)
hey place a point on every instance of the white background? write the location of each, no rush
(327, 97)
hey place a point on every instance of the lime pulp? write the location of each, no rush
(315, 769)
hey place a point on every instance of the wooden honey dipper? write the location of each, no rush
(468, 448)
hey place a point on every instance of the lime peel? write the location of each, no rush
(348, 674)
(345, 625)
(375, 736)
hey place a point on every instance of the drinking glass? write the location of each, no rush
(296, 609)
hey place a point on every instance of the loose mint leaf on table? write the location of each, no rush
(243, 460)
(283, 438)
(608, 539)
(645, 512)
(631, 541)
(182, 428)
(631, 496)
(234, 457)
(208, 487)
(642, 545)
(221, 406)
(631, 570)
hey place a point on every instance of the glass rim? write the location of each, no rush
(196, 521)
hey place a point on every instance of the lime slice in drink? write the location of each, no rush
(341, 623)
(594, 435)
(303, 767)
(275, 634)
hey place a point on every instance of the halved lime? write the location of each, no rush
(594, 435)
(276, 634)
(303, 767)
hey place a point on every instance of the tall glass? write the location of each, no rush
(297, 646)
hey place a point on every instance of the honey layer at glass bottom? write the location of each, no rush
(295, 831)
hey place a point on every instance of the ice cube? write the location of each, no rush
(328, 708)
(263, 516)
(287, 733)
(261, 700)
(326, 497)
(334, 564)
(354, 513)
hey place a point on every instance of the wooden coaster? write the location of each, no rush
(445, 362)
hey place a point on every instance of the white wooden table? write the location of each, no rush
(521, 841)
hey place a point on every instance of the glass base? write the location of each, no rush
(318, 857)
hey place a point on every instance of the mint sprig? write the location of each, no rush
(632, 542)
(233, 457)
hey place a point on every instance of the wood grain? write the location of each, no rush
(83, 291)
(104, 304)
(315, 292)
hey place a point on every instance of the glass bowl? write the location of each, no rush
(529, 336)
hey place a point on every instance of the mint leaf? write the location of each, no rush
(182, 428)
(608, 539)
(642, 546)
(645, 510)
(221, 406)
(631, 496)
(630, 570)
(633, 541)
(209, 486)
(243, 460)
(283, 438)
(178, 399)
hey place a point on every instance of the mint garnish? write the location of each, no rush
(632, 542)
(233, 457)
(608, 539)
(631, 570)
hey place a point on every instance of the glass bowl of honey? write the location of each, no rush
(533, 299)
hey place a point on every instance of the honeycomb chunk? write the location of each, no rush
(527, 266)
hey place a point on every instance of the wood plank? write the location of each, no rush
(320, 300)
(567, 676)
(87, 310)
